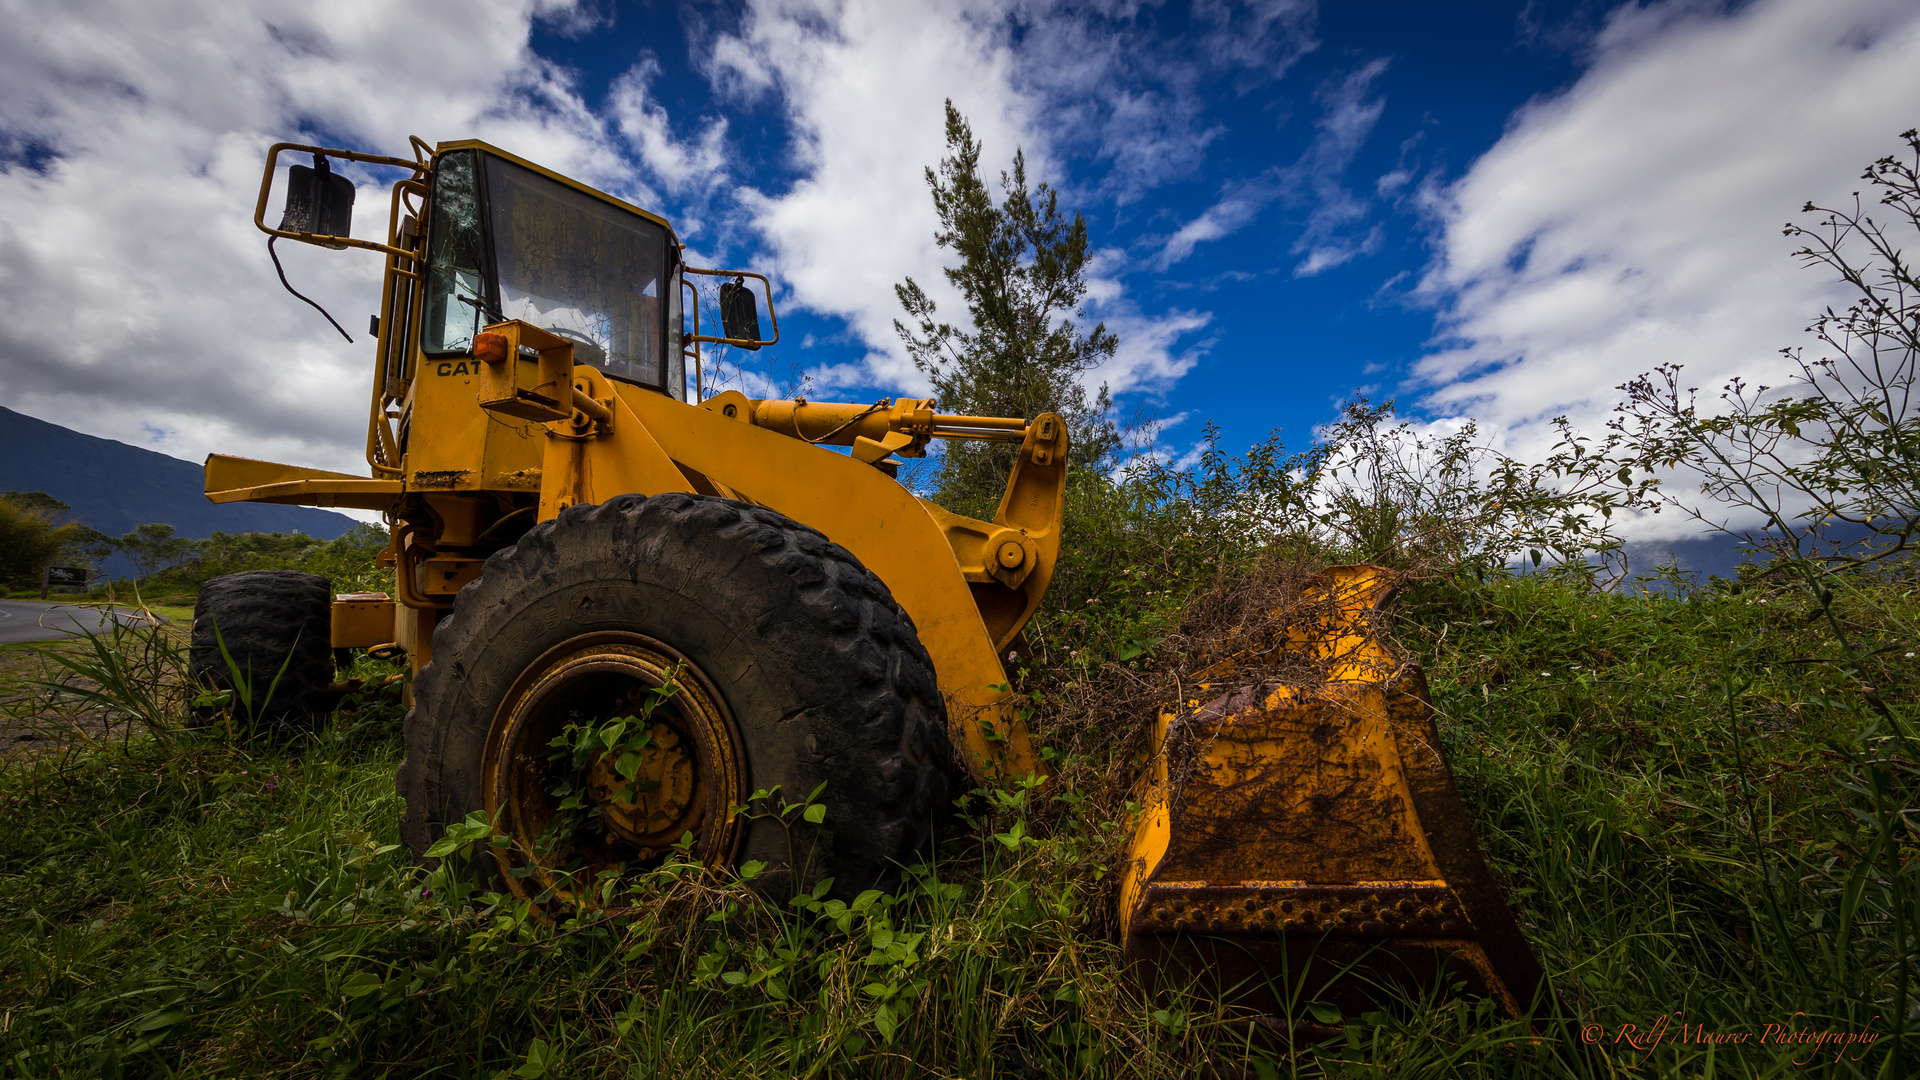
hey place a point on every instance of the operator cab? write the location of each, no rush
(509, 240)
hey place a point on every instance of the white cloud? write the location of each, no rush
(574, 18)
(1119, 89)
(1335, 229)
(139, 297)
(1150, 356)
(1634, 220)
(141, 304)
(1265, 34)
(679, 164)
(863, 83)
(1349, 111)
(1222, 218)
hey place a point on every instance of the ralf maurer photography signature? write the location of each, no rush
(1671, 1030)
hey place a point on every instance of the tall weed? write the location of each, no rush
(134, 672)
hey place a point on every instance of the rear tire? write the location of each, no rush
(814, 673)
(274, 623)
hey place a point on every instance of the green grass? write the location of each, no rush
(1652, 774)
(1692, 821)
(179, 614)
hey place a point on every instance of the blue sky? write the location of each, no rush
(1497, 210)
(1282, 150)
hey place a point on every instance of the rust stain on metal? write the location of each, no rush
(1290, 832)
(439, 479)
(1382, 909)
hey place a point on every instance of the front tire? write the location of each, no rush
(795, 669)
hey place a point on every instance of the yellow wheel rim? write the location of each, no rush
(688, 782)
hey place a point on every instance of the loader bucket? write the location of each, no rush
(1304, 844)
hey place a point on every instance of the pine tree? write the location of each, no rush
(1022, 274)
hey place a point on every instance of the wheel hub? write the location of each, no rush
(663, 799)
(569, 826)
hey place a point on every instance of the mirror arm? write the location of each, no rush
(417, 167)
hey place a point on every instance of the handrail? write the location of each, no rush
(699, 391)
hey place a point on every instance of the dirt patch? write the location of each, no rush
(35, 717)
(56, 694)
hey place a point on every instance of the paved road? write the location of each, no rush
(26, 620)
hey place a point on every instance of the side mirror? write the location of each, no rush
(739, 313)
(318, 201)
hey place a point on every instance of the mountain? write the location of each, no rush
(1712, 555)
(113, 487)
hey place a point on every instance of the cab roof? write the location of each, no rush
(476, 144)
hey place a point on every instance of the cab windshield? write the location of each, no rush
(506, 242)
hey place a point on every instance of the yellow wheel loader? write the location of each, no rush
(582, 543)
